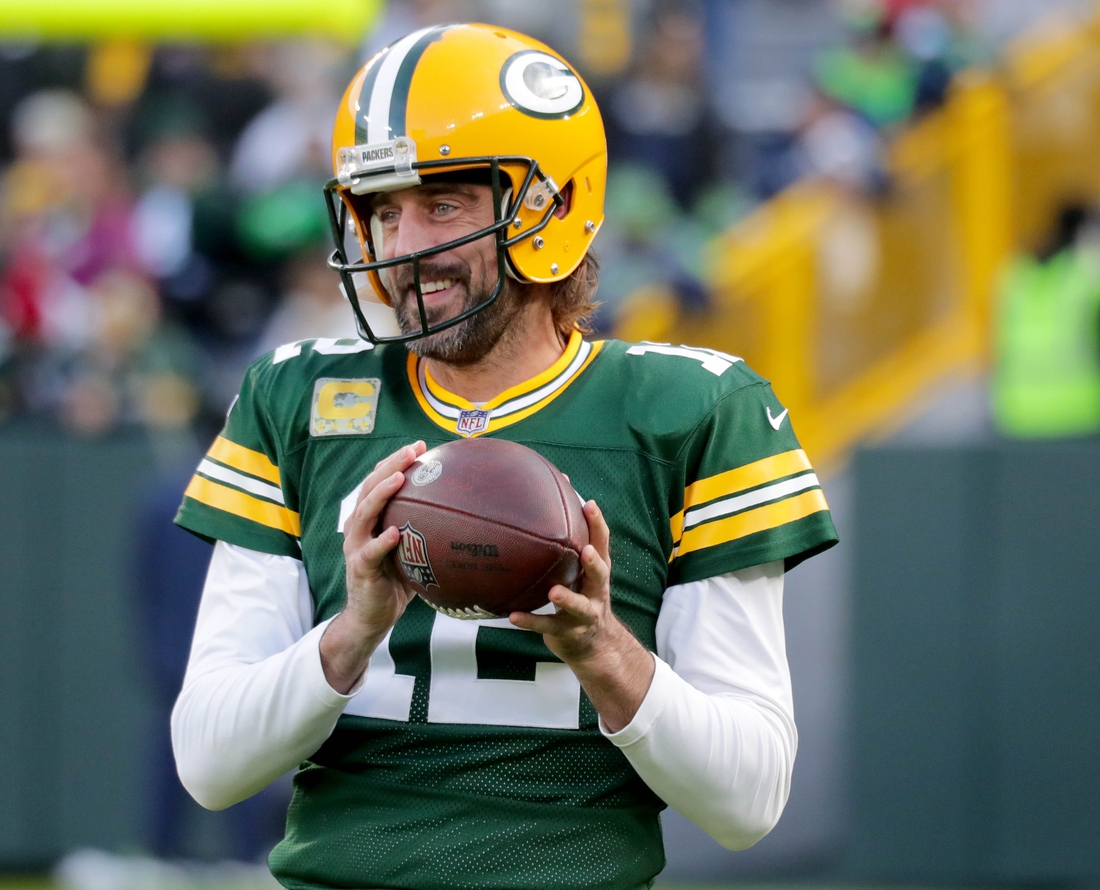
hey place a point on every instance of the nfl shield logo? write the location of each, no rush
(412, 553)
(470, 423)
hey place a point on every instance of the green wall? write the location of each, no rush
(976, 664)
(72, 703)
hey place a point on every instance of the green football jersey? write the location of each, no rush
(471, 758)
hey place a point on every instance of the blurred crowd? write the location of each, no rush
(161, 218)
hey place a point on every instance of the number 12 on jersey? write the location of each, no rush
(458, 695)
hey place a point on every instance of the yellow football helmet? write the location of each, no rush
(469, 98)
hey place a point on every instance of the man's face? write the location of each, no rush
(426, 216)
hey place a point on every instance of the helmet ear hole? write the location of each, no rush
(566, 193)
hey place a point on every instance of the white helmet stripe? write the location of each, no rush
(379, 115)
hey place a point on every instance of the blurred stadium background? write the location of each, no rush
(888, 207)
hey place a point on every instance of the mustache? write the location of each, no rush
(402, 277)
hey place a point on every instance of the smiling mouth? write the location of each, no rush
(430, 287)
(434, 291)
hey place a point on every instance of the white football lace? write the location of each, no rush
(469, 613)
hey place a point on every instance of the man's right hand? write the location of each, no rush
(376, 597)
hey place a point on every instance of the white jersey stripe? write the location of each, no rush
(512, 405)
(751, 499)
(442, 407)
(518, 404)
(216, 471)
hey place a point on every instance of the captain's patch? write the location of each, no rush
(344, 407)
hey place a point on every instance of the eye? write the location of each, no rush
(387, 215)
(443, 207)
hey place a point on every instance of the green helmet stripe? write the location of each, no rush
(364, 97)
(399, 99)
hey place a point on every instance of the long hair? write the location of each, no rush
(572, 300)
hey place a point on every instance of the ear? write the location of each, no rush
(567, 197)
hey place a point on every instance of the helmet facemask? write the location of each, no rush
(359, 181)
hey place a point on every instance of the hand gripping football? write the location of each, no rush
(487, 528)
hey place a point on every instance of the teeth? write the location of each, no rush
(430, 287)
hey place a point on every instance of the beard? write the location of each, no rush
(470, 340)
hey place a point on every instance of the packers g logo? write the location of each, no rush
(540, 85)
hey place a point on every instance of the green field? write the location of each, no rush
(45, 883)
(24, 882)
(40, 883)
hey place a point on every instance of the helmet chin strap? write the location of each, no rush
(376, 235)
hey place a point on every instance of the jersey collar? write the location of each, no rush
(457, 415)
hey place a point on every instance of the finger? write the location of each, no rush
(360, 525)
(400, 460)
(596, 583)
(367, 561)
(556, 625)
(575, 611)
(576, 605)
(599, 535)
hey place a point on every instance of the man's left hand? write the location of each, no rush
(613, 667)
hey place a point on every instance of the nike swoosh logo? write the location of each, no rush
(776, 422)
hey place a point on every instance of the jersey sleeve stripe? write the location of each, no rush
(246, 460)
(750, 522)
(769, 469)
(753, 498)
(749, 476)
(229, 500)
(211, 470)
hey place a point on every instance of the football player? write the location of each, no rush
(529, 752)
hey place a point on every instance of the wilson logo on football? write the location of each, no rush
(412, 553)
(476, 549)
(540, 85)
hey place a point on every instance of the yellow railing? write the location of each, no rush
(854, 309)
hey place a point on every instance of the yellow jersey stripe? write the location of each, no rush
(434, 416)
(244, 459)
(749, 476)
(732, 481)
(502, 422)
(751, 521)
(576, 340)
(677, 523)
(448, 423)
(221, 497)
(513, 392)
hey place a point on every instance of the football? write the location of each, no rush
(487, 528)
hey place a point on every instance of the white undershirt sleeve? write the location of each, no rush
(255, 701)
(715, 736)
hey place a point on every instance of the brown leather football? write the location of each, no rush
(487, 528)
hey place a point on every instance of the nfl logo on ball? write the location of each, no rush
(412, 553)
(472, 422)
